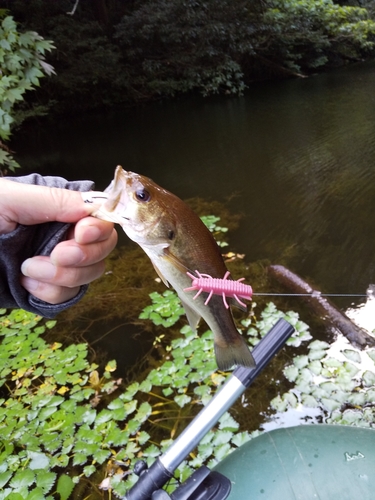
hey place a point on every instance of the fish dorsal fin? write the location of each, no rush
(159, 273)
(192, 316)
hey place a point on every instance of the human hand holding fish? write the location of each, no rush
(77, 260)
(177, 243)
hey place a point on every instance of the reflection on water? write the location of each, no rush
(364, 314)
(298, 155)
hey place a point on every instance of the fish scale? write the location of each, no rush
(176, 240)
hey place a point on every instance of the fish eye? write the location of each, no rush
(142, 195)
(171, 234)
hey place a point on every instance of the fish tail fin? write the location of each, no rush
(237, 353)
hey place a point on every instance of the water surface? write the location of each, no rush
(298, 155)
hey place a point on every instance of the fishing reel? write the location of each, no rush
(203, 484)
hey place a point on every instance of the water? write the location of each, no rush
(298, 155)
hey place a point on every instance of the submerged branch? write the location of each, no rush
(322, 307)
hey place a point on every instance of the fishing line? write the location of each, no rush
(312, 294)
(90, 197)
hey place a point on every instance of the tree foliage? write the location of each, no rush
(221, 46)
(22, 66)
(309, 34)
(180, 46)
(126, 52)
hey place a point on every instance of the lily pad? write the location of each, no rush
(352, 355)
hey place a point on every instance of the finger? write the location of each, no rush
(70, 254)
(51, 294)
(41, 268)
(48, 204)
(90, 230)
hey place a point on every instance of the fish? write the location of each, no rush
(176, 241)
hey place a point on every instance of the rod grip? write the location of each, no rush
(149, 481)
(263, 352)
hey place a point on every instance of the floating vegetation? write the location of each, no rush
(69, 429)
(332, 383)
(61, 422)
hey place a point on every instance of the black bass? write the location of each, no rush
(176, 241)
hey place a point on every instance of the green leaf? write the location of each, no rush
(101, 455)
(301, 361)
(89, 470)
(221, 451)
(318, 345)
(22, 479)
(241, 438)
(368, 378)
(291, 373)
(79, 458)
(331, 404)
(45, 480)
(227, 422)
(357, 398)
(111, 366)
(222, 437)
(145, 386)
(315, 366)
(309, 401)
(352, 355)
(16, 496)
(65, 486)
(144, 412)
(4, 477)
(116, 404)
(103, 416)
(182, 400)
(167, 391)
(36, 494)
(38, 460)
(143, 437)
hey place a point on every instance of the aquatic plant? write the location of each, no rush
(48, 399)
(65, 427)
(332, 383)
(59, 426)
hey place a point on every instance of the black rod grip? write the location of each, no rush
(150, 480)
(263, 352)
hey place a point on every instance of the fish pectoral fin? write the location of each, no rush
(174, 260)
(160, 275)
(192, 316)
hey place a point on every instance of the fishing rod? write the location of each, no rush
(204, 484)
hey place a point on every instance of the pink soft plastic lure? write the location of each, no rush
(224, 287)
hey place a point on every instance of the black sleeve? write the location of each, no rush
(28, 241)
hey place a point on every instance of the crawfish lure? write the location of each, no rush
(224, 287)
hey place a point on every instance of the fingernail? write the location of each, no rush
(37, 269)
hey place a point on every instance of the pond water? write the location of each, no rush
(295, 158)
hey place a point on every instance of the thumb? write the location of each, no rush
(29, 204)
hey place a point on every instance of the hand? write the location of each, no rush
(74, 262)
